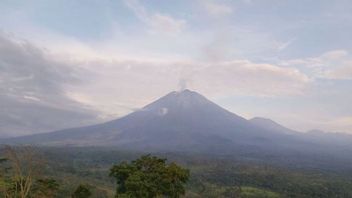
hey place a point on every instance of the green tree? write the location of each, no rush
(46, 188)
(82, 191)
(149, 177)
(5, 183)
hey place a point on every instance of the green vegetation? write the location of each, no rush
(149, 177)
(20, 175)
(105, 171)
(46, 188)
(82, 191)
(251, 192)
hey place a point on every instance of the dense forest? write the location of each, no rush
(69, 172)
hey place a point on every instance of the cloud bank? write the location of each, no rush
(32, 90)
(251, 57)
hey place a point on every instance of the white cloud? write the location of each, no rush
(342, 124)
(134, 83)
(248, 78)
(217, 9)
(127, 68)
(334, 65)
(337, 65)
(283, 45)
(157, 22)
(117, 84)
(334, 55)
(166, 23)
(343, 72)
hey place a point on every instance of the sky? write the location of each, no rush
(72, 62)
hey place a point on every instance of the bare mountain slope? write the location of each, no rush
(184, 121)
(175, 121)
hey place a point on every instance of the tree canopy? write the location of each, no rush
(82, 191)
(149, 177)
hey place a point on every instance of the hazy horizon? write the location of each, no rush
(68, 63)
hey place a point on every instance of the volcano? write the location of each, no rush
(183, 120)
(187, 122)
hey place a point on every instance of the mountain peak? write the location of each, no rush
(179, 99)
(185, 91)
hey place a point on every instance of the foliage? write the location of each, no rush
(251, 192)
(20, 174)
(211, 176)
(149, 177)
(46, 188)
(82, 191)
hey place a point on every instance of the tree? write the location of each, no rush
(4, 182)
(46, 188)
(20, 174)
(22, 167)
(149, 177)
(82, 191)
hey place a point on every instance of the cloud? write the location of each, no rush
(333, 65)
(283, 45)
(26, 69)
(182, 85)
(243, 77)
(32, 90)
(343, 72)
(210, 46)
(337, 65)
(334, 55)
(130, 83)
(157, 22)
(166, 23)
(230, 42)
(89, 76)
(342, 124)
(217, 9)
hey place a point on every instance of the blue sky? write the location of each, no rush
(286, 60)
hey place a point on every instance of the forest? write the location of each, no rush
(87, 172)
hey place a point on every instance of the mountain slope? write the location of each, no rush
(184, 121)
(176, 121)
(188, 122)
(271, 125)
